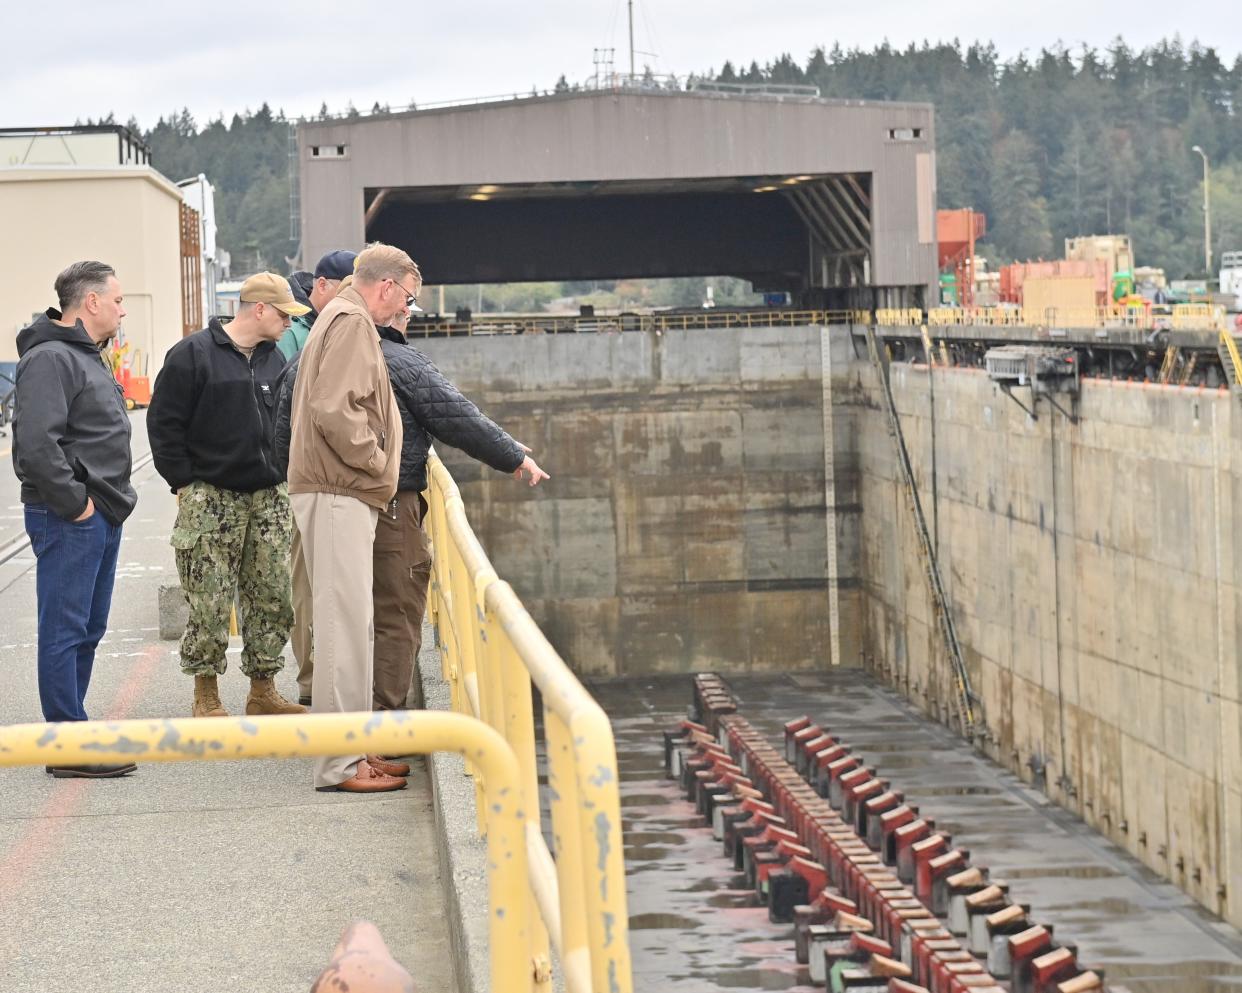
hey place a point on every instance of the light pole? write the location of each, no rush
(1207, 213)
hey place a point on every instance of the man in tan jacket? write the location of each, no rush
(344, 456)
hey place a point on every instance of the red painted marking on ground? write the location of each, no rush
(47, 826)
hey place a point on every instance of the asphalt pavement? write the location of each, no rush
(189, 877)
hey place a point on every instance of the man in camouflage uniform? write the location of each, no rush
(210, 426)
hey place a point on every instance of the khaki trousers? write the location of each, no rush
(300, 636)
(402, 566)
(338, 533)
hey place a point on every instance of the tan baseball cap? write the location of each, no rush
(267, 287)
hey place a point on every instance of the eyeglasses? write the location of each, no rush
(411, 299)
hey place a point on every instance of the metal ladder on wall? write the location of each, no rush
(1230, 360)
(931, 567)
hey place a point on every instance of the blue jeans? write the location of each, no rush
(74, 576)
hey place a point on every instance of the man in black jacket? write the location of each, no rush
(210, 426)
(71, 453)
(431, 407)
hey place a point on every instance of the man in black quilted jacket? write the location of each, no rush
(432, 408)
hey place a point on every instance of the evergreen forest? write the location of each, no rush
(1052, 145)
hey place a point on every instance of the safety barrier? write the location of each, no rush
(616, 323)
(902, 316)
(492, 652)
(305, 736)
(1197, 316)
(975, 317)
(1189, 317)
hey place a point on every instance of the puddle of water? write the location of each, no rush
(733, 899)
(643, 839)
(958, 791)
(643, 800)
(1063, 872)
(662, 922)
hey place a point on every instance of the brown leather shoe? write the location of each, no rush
(387, 766)
(366, 780)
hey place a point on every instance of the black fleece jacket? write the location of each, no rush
(212, 413)
(70, 428)
(431, 408)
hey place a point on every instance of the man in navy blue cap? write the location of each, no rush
(332, 268)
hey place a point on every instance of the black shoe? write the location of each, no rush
(305, 701)
(90, 771)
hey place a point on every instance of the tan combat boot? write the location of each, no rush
(207, 698)
(264, 698)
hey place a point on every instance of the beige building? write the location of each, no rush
(129, 216)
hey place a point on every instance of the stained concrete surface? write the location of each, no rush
(696, 929)
(684, 523)
(1096, 589)
(191, 876)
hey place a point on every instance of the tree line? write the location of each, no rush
(1065, 142)
(1048, 146)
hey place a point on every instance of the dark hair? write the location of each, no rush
(79, 279)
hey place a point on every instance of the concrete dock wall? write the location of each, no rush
(684, 525)
(1094, 578)
(729, 499)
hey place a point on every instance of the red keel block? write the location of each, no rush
(1051, 968)
(848, 777)
(922, 852)
(979, 906)
(957, 887)
(939, 869)
(889, 822)
(872, 810)
(904, 840)
(1024, 948)
(792, 728)
(1008, 921)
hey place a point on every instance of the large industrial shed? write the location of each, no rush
(831, 200)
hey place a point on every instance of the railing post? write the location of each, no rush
(515, 710)
(563, 804)
(603, 854)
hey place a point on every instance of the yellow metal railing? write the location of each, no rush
(1197, 316)
(388, 733)
(604, 323)
(975, 317)
(903, 316)
(1189, 317)
(1090, 317)
(493, 653)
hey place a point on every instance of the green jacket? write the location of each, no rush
(291, 342)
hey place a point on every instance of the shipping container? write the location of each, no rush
(1015, 276)
(1044, 298)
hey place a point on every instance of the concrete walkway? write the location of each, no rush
(190, 877)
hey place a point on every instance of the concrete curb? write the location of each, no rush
(463, 854)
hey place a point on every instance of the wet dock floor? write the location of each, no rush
(696, 928)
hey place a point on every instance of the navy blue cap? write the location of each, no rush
(336, 265)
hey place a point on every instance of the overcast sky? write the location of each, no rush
(67, 61)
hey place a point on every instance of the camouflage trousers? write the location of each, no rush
(230, 543)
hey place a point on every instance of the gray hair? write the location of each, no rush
(79, 279)
(378, 261)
